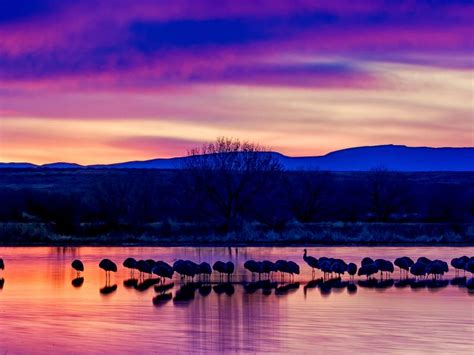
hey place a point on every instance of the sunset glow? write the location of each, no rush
(96, 83)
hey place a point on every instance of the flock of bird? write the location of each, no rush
(421, 268)
(330, 267)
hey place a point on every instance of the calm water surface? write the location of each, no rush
(43, 312)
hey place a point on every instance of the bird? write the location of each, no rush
(423, 260)
(436, 268)
(366, 261)
(418, 268)
(368, 270)
(255, 267)
(283, 267)
(229, 268)
(224, 268)
(338, 268)
(78, 266)
(404, 263)
(205, 269)
(352, 269)
(311, 261)
(108, 266)
(130, 263)
(469, 266)
(293, 268)
(219, 266)
(325, 266)
(459, 263)
(2, 264)
(186, 268)
(144, 266)
(384, 266)
(163, 270)
(268, 267)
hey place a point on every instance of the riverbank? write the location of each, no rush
(250, 234)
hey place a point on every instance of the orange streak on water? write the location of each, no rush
(43, 313)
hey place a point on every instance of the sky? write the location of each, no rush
(108, 81)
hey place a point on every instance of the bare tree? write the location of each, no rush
(387, 193)
(307, 191)
(227, 173)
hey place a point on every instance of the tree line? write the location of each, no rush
(227, 183)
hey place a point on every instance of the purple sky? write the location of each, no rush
(107, 81)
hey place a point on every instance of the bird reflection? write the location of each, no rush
(226, 288)
(2, 283)
(285, 289)
(130, 283)
(351, 288)
(459, 281)
(108, 289)
(147, 283)
(205, 290)
(185, 294)
(164, 287)
(77, 282)
(162, 299)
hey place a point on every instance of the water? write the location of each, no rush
(42, 312)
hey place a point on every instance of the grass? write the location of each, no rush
(171, 233)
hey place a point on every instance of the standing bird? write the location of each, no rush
(368, 270)
(267, 267)
(229, 269)
(384, 266)
(404, 263)
(352, 269)
(224, 268)
(206, 270)
(2, 264)
(108, 266)
(130, 263)
(162, 269)
(255, 267)
(311, 261)
(366, 261)
(293, 269)
(469, 266)
(418, 269)
(283, 267)
(78, 266)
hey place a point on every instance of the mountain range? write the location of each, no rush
(392, 157)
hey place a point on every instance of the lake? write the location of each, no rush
(42, 311)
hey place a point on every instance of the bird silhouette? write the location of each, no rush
(108, 266)
(404, 263)
(130, 263)
(78, 266)
(255, 267)
(311, 261)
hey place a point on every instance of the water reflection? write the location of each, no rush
(77, 282)
(2, 283)
(226, 288)
(162, 299)
(239, 316)
(108, 289)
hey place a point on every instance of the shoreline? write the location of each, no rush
(250, 235)
(237, 245)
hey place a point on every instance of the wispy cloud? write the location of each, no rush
(300, 76)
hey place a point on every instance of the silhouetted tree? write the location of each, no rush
(387, 193)
(307, 192)
(228, 173)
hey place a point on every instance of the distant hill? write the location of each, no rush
(17, 165)
(62, 166)
(392, 157)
